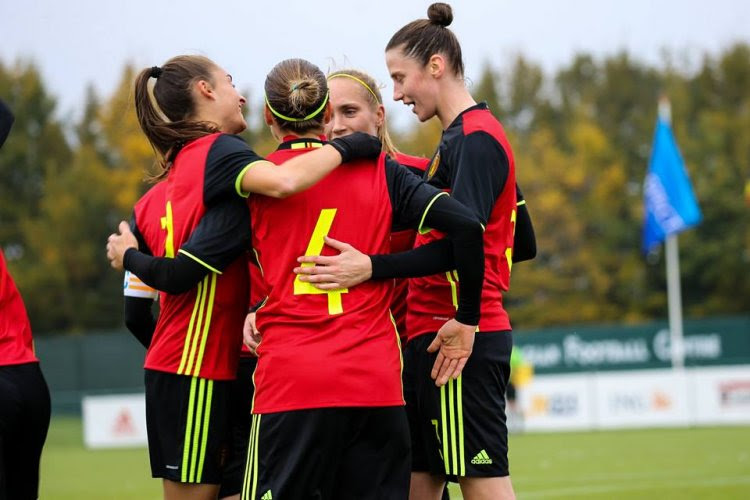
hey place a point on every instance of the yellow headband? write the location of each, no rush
(292, 119)
(361, 82)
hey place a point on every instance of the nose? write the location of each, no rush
(338, 128)
(242, 100)
(397, 94)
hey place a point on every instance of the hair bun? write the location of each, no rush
(440, 13)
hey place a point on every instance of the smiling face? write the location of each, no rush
(412, 84)
(352, 110)
(228, 102)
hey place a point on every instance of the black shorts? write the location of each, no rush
(332, 453)
(459, 429)
(187, 423)
(24, 420)
(240, 407)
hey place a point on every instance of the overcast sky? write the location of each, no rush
(78, 41)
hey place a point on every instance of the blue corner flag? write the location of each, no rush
(670, 204)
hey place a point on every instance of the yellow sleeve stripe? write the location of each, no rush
(196, 259)
(238, 180)
(522, 202)
(420, 228)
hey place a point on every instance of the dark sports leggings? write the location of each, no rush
(24, 420)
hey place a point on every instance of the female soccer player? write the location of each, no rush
(475, 163)
(194, 351)
(357, 106)
(24, 396)
(328, 411)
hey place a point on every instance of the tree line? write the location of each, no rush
(581, 138)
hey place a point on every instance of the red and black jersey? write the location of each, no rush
(402, 240)
(146, 225)
(148, 217)
(16, 344)
(340, 348)
(474, 162)
(205, 216)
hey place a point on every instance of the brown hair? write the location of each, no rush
(295, 90)
(423, 38)
(166, 114)
(374, 98)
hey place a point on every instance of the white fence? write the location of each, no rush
(647, 398)
(606, 400)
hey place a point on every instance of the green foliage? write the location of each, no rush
(581, 136)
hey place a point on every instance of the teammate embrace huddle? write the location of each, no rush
(317, 241)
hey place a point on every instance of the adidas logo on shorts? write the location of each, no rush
(267, 495)
(482, 458)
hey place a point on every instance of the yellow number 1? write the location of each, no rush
(314, 247)
(168, 225)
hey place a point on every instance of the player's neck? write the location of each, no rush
(454, 99)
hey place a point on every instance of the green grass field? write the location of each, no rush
(701, 463)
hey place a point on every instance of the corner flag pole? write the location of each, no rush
(674, 290)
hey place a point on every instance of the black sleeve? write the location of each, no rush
(228, 157)
(417, 204)
(6, 122)
(221, 236)
(408, 195)
(480, 172)
(142, 245)
(139, 319)
(173, 276)
(524, 239)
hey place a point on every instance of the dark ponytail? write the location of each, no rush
(423, 38)
(166, 113)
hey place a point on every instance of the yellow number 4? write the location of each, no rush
(314, 247)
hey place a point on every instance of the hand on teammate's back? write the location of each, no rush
(118, 244)
(250, 333)
(453, 343)
(357, 145)
(345, 270)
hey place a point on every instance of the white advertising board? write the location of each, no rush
(561, 402)
(722, 395)
(114, 421)
(649, 398)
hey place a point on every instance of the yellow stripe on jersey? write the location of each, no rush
(191, 326)
(196, 259)
(192, 339)
(306, 145)
(198, 328)
(206, 325)
(424, 230)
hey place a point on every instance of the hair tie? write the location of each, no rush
(294, 87)
(304, 118)
(156, 72)
(358, 80)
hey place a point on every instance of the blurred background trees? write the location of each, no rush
(581, 137)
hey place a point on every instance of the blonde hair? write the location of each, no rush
(374, 98)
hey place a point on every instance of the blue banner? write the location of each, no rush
(670, 204)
